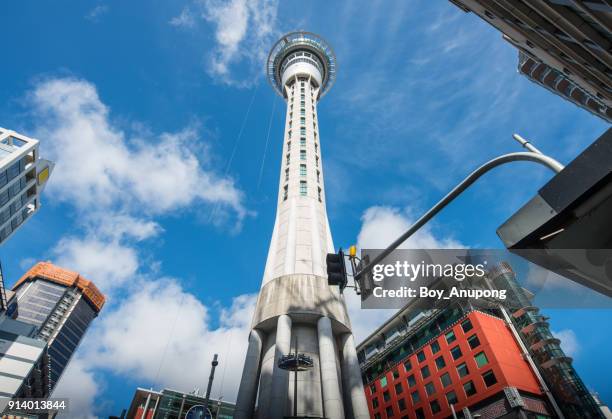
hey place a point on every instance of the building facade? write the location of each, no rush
(571, 37)
(172, 404)
(475, 357)
(60, 305)
(296, 306)
(23, 175)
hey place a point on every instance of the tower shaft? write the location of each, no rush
(295, 302)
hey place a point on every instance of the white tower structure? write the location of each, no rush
(295, 302)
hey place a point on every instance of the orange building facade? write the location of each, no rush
(475, 363)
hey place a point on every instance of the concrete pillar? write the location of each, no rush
(352, 377)
(332, 398)
(280, 378)
(245, 404)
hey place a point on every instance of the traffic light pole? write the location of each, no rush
(533, 156)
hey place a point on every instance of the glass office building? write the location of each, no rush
(61, 305)
(23, 175)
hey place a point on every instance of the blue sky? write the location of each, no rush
(157, 195)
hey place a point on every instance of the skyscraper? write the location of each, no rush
(571, 37)
(23, 175)
(296, 306)
(60, 304)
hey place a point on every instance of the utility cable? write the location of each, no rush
(263, 159)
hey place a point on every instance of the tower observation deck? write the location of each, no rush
(295, 301)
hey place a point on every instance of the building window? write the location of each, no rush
(456, 352)
(440, 362)
(303, 142)
(435, 347)
(411, 381)
(285, 192)
(473, 341)
(317, 161)
(425, 372)
(398, 388)
(466, 325)
(288, 158)
(320, 199)
(316, 148)
(289, 134)
(451, 397)
(302, 170)
(389, 411)
(303, 131)
(302, 97)
(375, 402)
(318, 180)
(419, 413)
(302, 121)
(401, 403)
(445, 379)
(407, 364)
(386, 396)
(372, 388)
(462, 370)
(303, 192)
(290, 124)
(430, 389)
(469, 389)
(286, 174)
(489, 378)
(377, 416)
(383, 381)
(435, 406)
(302, 104)
(450, 337)
(302, 154)
(415, 397)
(421, 356)
(481, 359)
(303, 112)
(288, 145)
(395, 373)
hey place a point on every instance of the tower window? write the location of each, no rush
(287, 174)
(285, 192)
(303, 120)
(302, 154)
(289, 134)
(318, 176)
(317, 161)
(303, 142)
(288, 145)
(288, 158)
(302, 170)
(303, 112)
(302, 103)
(316, 148)
(303, 188)
(302, 97)
(303, 131)
(320, 199)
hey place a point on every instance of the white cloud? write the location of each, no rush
(95, 13)
(100, 167)
(244, 31)
(80, 387)
(108, 264)
(185, 19)
(163, 335)
(382, 225)
(569, 341)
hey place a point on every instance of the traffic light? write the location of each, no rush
(336, 269)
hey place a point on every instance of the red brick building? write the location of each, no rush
(474, 362)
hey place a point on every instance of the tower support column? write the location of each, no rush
(245, 404)
(280, 377)
(351, 374)
(332, 397)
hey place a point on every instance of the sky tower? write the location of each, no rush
(295, 302)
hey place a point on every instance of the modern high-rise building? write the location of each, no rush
(23, 175)
(571, 40)
(60, 304)
(296, 306)
(467, 357)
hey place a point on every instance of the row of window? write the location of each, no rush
(469, 389)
